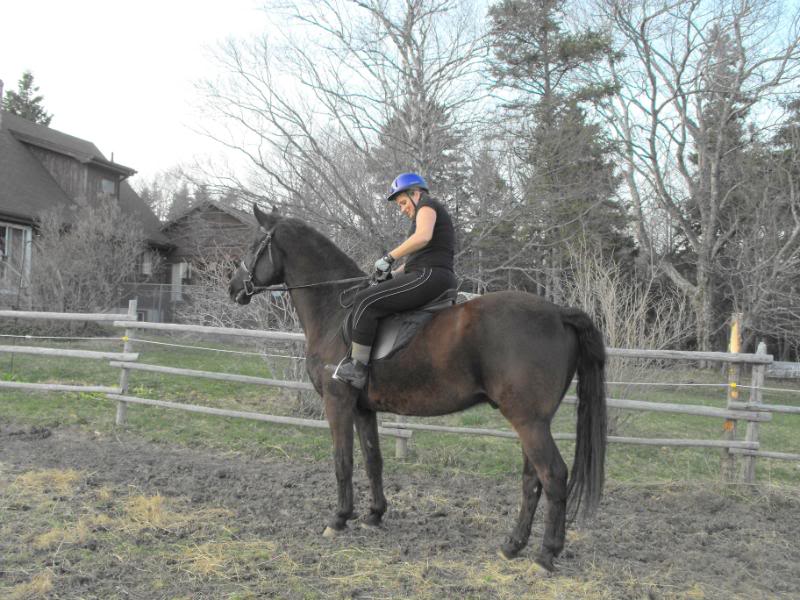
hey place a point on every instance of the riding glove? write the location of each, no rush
(384, 263)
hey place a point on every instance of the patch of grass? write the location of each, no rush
(40, 586)
(55, 481)
(227, 560)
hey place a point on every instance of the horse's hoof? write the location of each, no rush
(372, 521)
(331, 532)
(510, 549)
(543, 564)
(506, 553)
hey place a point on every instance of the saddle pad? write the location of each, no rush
(396, 331)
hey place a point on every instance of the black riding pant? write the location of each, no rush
(405, 291)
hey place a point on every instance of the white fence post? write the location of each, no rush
(756, 398)
(122, 407)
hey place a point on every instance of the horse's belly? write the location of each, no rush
(419, 402)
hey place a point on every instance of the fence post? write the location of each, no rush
(401, 444)
(756, 397)
(734, 371)
(122, 407)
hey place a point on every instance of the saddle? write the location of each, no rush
(396, 331)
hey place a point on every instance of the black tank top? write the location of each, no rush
(440, 250)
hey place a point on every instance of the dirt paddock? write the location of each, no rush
(87, 516)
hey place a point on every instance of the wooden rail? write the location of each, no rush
(222, 412)
(767, 408)
(65, 352)
(503, 433)
(281, 336)
(294, 385)
(726, 357)
(685, 409)
(59, 387)
(56, 316)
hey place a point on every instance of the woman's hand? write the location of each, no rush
(383, 266)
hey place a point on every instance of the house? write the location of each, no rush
(42, 169)
(208, 231)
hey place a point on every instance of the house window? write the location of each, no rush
(107, 186)
(147, 263)
(15, 254)
(180, 271)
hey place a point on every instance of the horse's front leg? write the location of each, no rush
(339, 405)
(367, 426)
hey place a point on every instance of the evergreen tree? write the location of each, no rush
(565, 173)
(26, 102)
(201, 194)
(181, 202)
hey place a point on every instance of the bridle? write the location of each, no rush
(250, 288)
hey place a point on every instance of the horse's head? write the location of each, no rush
(262, 265)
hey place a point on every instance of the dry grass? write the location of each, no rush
(63, 535)
(39, 586)
(153, 512)
(48, 481)
(227, 560)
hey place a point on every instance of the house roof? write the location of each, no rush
(245, 217)
(132, 203)
(56, 141)
(27, 189)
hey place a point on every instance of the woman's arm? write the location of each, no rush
(426, 219)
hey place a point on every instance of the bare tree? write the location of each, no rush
(349, 79)
(761, 267)
(689, 73)
(644, 312)
(83, 260)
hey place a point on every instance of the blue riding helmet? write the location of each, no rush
(404, 182)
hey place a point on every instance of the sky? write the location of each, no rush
(122, 74)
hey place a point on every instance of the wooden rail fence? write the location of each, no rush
(752, 413)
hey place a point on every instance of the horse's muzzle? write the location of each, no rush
(240, 297)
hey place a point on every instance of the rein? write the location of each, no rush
(250, 289)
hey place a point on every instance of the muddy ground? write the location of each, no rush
(88, 516)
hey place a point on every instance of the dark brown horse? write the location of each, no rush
(513, 350)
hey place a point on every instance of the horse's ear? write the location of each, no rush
(266, 220)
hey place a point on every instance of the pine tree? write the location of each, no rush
(25, 102)
(565, 173)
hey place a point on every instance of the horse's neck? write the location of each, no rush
(319, 311)
(318, 307)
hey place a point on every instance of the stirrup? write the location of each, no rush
(354, 376)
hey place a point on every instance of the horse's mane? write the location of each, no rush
(326, 252)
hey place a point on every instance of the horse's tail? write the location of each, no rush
(588, 469)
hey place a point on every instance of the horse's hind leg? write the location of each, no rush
(542, 451)
(367, 426)
(531, 491)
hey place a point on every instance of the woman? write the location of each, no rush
(426, 274)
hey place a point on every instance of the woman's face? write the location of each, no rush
(406, 205)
